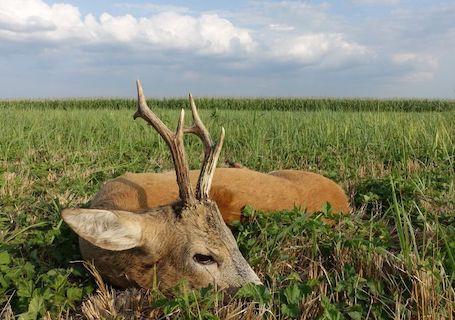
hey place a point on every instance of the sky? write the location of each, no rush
(349, 48)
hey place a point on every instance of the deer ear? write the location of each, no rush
(111, 230)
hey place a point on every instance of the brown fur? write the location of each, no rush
(232, 190)
(169, 238)
(143, 228)
(172, 234)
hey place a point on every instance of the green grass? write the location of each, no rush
(393, 257)
(262, 104)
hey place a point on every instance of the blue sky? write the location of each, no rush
(354, 48)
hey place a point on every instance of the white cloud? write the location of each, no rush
(377, 2)
(330, 49)
(207, 33)
(277, 47)
(421, 66)
(296, 6)
(121, 28)
(423, 60)
(280, 27)
(152, 7)
(24, 16)
(33, 19)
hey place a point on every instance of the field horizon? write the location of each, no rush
(244, 103)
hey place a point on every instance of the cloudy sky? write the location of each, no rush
(357, 48)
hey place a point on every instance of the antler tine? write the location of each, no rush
(208, 169)
(211, 152)
(174, 142)
(198, 127)
(144, 112)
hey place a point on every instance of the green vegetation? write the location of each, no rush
(262, 104)
(394, 257)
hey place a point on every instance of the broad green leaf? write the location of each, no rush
(36, 305)
(25, 288)
(291, 310)
(259, 293)
(74, 293)
(293, 294)
(5, 259)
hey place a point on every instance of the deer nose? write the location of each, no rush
(249, 276)
(253, 278)
(244, 271)
(256, 280)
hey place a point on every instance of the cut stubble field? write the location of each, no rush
(392, 258)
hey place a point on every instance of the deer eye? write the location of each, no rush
(203, 259)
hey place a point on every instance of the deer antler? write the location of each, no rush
(175, 143)
(173, 140)
(211, 153)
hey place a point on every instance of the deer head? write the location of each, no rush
(187, 239)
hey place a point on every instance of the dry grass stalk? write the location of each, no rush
(109, 303)
(7, 312)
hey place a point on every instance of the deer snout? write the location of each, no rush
(245, 274)
(253, 277)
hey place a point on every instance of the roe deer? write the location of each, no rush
(186, 238)
(139, 223)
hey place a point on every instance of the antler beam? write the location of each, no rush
(173, 140)
(175, 143)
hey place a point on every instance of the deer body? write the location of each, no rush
(143, 228)
(232, 190)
